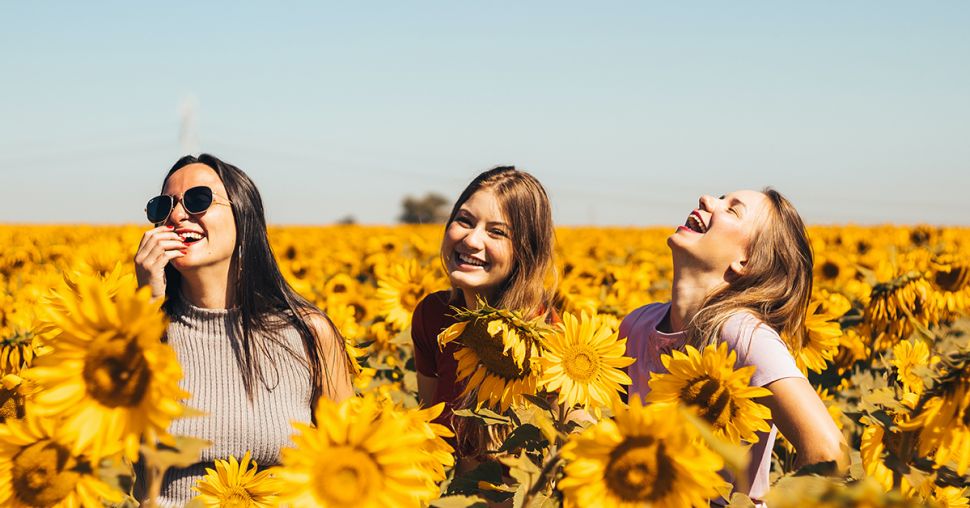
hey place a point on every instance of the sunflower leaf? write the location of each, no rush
(185, 453)
(470, 483)
(739, 500)
(460, 502)
(488, 416)
(541, 402)
(735, 456)
(527, 437)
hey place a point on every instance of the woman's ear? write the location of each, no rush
(736, 269)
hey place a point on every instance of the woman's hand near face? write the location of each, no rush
(158, 246)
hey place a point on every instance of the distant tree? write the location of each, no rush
(347, 220)
(432, 208)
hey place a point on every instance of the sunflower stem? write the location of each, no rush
(554, 460)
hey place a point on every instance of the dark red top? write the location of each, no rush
(432, 315)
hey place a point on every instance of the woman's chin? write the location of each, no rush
(467, 282)
(183, 263)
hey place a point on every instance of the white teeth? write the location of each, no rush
(694, 223)
(469, 260)
(191, 235)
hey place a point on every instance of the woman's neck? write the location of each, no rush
(688, 292)
(208, 289)
(472, 299)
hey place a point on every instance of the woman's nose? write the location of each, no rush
(706, 202)
(178, 213)
(473, 240)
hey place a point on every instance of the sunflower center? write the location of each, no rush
(11, 404)
(711, 397)
(830, 270)
(952, 279)
(116, 373)
(488, 349)
(237, 497)
(581, 364)
(410, 297)
(349, 478)
(639, 470)
(43, 474)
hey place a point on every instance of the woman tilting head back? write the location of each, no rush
(762, 241)
(255, 355)
(743, 277)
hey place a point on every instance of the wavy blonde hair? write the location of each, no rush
(776, 285)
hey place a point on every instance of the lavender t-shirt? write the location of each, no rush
(755, 343)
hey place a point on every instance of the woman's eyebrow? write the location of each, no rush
(736, 201)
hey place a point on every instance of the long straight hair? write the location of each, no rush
(531, 283)
(776, 285)
(263, 297)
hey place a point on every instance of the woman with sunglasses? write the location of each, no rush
(255, 355)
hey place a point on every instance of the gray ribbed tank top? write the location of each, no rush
(204, 341)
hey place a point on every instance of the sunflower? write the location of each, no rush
(342, 317)
(645, 456)
(13, 397)
(39, 468)
(822, 339)
(907, 355)
(875, 441)
(950, 497)
(498, 357)
(949, 276)
(720, 394)
(852, 348)
(583, 362)
(833, 268)
(944, 425)
(236, 484)
(17, 349)
(108, 373)
(400, 290)
(366, 452)
(896, 304)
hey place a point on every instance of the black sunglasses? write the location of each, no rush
(195, 200)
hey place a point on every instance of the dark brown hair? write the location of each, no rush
(264, 299)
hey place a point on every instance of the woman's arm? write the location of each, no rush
(426, 388)
(336, 364)
(802, 418)
(426, 350)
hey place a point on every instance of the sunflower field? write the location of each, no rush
(88, 387)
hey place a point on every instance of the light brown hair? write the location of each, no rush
(530, 286)
(776, 283)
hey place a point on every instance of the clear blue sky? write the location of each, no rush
(626, 111)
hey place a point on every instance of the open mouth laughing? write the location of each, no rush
(190, 237)
(695, 223)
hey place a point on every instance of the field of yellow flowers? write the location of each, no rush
(88, 387)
